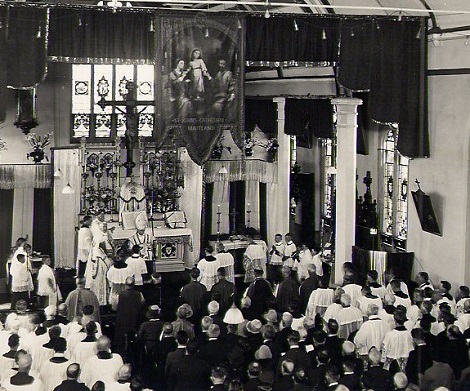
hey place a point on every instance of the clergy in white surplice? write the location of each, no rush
(372, 332)
(54, 370)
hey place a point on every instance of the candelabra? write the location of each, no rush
(218, 222)
(248, 215)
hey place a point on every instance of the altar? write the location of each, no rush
(169, 245)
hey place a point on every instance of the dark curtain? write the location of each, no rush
(42, 221)
(207, 217)
(25, 48)
(361, 260)
(3, 71)
(78, 35)
(402, 264)
(237, 206)
(261, 112)
(263, 225)
(313, 116)
(389, 58)
(398, 83)
(354, 67)
(276, 39)
(6, 225)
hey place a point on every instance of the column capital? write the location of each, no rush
(346, 101)
(279, 99)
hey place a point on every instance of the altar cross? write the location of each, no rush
(128, 91)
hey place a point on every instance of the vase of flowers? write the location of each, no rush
(218, 149)
(38, 144)
(249, 144)
(272, 147)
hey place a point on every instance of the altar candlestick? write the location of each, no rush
(248, 212)
(218, 222)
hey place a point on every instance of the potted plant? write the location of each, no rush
(38, 143)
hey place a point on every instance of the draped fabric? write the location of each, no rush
(23, 176)
(66, 206)
(241, 170)
(261, 112)
(355, 60)
(312, 116)
(364, 260)
(91, 36)
(388, 57)
(252, 198)
(191, 201)
(220, 203)
(201, 97)
(6, 221)
(25, 46)
(42, 222)
(275, 40)
(23, 211)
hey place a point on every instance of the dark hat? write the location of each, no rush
(153, 312)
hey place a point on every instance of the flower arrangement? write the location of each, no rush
(218, 149)
(271, 146)
(3, 145)
(39, 142)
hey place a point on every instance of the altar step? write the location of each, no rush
(169, 266)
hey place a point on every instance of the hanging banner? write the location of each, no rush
(202, 82)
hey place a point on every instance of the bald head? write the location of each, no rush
(24, 363)
(125, 372)
(103, 344)
(345, 300)
(372, 309)
(73, 371)
(130, 281)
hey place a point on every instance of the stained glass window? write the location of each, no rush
(395, 192)
(98, 123)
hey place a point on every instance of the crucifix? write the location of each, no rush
(128, 91)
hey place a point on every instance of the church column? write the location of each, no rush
(281, 207)
(346, 109)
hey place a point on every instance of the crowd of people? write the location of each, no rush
(287, 329)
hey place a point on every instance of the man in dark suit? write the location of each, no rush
(130, 303)
(332, 342)
(175, 357)
(260, 293)
(332, 375)
(191, 373)
(375, 377)
(419, 359)
(317, 376)
(308, 286)
(283, 334)
(195, 294)
(218, 376)
(299, 357)
(349, 378)
(213, 352)
(288, 292)
(164, 346)
(222, 291)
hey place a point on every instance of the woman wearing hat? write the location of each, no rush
(183, 312)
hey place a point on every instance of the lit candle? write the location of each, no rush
(218, 208)
(248, 206)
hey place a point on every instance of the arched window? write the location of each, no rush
(394, 216)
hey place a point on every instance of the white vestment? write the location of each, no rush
(36, 385)
(363, 302)
(73, 340)
(47, 285)
(305, 259)
(40, 354)
(105, 370)
(353, 290)
(349, 320)
(115, 386)
(21, 279)
(380, 291)
(82, 352)
(384, 315)
(332, 311)
(208, 272)
(319, 301)
(52, 374)
(226, 261)
(5, 365)
(257, 253)
(397, 344)
(371, 333)
(138, 266)
(318, 264)
(84, 243)
(405, 302)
